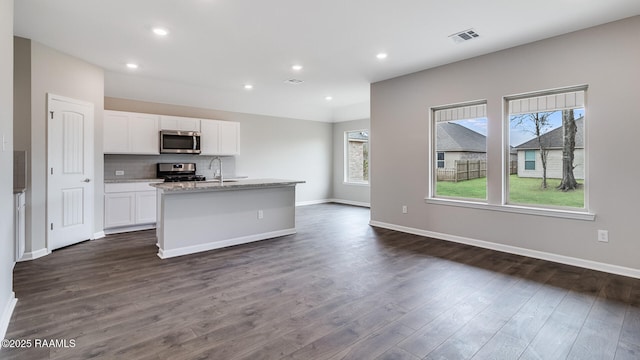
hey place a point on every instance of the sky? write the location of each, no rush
(518, 134)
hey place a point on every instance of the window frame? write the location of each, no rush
(499, 203)
(506, 140)
(433, 153)
(526, 162)
(346, 178)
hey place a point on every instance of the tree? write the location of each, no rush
(537, 124)
(569, 129)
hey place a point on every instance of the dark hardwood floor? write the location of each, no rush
(338, 289)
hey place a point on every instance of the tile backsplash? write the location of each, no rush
(144, 166)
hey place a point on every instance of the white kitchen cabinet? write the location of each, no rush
(220, 137)
(145, 207)
(119, 209)
(179, 123)
(131, 133)
(129, 206)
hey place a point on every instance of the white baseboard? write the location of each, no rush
(6, 314)
(312, 202)
(98, 235)
(32, 255)
(349, 202)
(165, 254)
(124, 229)
(567, 260)
(338, 201)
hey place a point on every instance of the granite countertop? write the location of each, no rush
(111, 181)
(214, 185)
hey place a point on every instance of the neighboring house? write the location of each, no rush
(456, 142)
(530, 165)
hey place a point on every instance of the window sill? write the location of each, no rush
(557, 213)
(355, 183)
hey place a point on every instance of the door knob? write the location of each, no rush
(86, 180)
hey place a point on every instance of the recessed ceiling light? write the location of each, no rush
(381, 56)
(248, 86)
(132, 66)
(160, 31)
(296, 67)
(328, 98)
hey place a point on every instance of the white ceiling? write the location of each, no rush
(216, 46)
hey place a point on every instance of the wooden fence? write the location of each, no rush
(469, 169)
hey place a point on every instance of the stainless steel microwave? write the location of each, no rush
(179, 142)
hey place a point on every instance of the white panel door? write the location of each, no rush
(70, 172)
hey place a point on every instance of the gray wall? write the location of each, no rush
(7, 298)
(52, 72)
(270, 147)
(604, 57)
(356, 194)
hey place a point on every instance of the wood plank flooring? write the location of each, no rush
(338, 289)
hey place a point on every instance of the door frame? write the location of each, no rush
(91, 212)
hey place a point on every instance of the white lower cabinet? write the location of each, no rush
(129, 207)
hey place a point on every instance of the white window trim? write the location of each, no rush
(433, 160)
(549, 212)
(345, 160)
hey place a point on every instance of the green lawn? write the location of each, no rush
(522, 191)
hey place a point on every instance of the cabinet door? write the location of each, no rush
(145, 207)
(119, 209)
(220, 137)
(179, 123)
(229, 138)
(144, 135)
(209, 144)
(116, 132)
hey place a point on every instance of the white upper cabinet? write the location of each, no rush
(131, 133)
(220, 137)
(179, 123)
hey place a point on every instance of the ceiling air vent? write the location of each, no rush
(464, 36)
(293, 81)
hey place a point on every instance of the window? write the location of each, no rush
(357, 156)
(440, 160)
(529, 159)
(459, 149)
(546, 138)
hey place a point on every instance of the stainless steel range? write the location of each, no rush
(175, 172)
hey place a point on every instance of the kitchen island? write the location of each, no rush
(197, 216)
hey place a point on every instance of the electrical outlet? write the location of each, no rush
(119, 172)
(404, 209)
(603, 235)
(260, 214)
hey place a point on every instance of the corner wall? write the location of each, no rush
(606, 58)
(354, 194)
(7, 244)
(53, 72)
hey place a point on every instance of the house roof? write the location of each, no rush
(455, 137)
(553, 138)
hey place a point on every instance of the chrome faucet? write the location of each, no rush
(219, 167)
